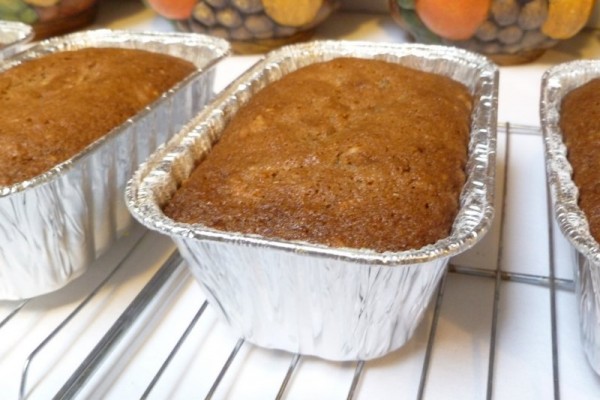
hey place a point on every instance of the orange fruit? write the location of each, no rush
(173, 9)
(453, 19)
(566, 17)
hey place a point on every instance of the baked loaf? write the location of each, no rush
(54, 106)
(347, 153)
(580, 125)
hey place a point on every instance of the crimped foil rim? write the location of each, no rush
(569, 216)
(23, 33)
(482, 159)
(220, 47)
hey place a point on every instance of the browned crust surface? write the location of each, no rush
(348, 153)
(580, 124)
(54, 106)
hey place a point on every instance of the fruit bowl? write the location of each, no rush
(508, 31)
(50, 17)
(251, 26)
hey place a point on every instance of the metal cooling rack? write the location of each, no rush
(155, 299)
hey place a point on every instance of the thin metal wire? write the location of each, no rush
(495, 306)
(471, 271)
(538, 280)
(13, 313)
(431, 339)
(217, 381)
(493, 331)
(355, 379)
(529, 279)
(526, 130)
(288, 376)
(551, 235)
(174, 351)
(75, 383)
(35, 352)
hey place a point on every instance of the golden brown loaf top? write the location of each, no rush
(580, 124)
(348, 153)
(54, 106)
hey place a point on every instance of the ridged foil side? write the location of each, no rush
(12, 36)
(335, 303)
(52, 226)
(556, 83)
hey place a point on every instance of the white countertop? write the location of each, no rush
(523, 367)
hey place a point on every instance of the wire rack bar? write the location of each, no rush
(355, 379)
(431, 338)
(174, 351)
(553, 322)
(288, 376)
(529, 279)
(13, 312)
(493, 331)
(63, 323)
(498, 280)
(75, 383)
(223, 371)
(553, 282)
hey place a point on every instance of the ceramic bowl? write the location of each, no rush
(508, 31)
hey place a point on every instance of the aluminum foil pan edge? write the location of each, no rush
(55, 224)
(556, 83)
(13, 35)
(339, 304)
(476, 211)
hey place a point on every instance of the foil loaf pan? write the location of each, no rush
(335, 303)
(54, 225)
(556, 83)
(13, 35)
